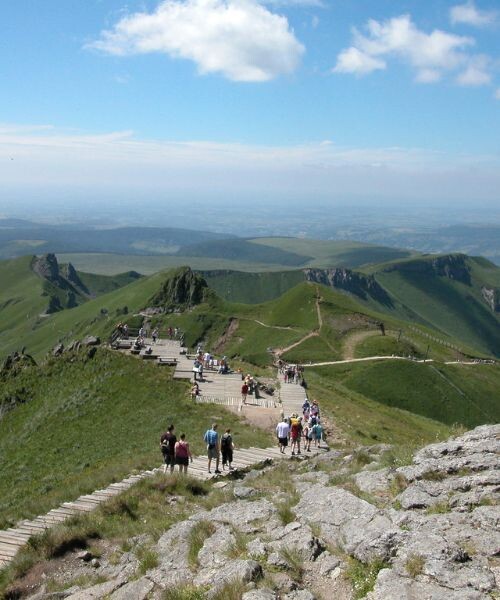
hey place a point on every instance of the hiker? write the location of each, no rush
(125, 331)
(170, 333)
(167, 445)
(211, 439)
(244, 392)
(196, 369)
(295, 433)
(227, 447)
(195, 391)
(306, 406)
(182, 454)
(307, 432)
(155, 334)
(282, 431)
(317, 430)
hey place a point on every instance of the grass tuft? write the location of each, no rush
(197, 536)
(414, 565)
(294, 562)
(363, 576)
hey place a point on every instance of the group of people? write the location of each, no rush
(204, 360)
(249, 386)
(177, 452)
(301, 430)
(291, 373)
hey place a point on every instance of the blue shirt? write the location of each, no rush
(211, 437)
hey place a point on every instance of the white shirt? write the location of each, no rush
(282, 430)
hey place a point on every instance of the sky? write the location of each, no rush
(248, 100)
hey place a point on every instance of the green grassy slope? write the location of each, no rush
(23, 301)
(449, 305)
(330, 253)
(366, 421)
(244, 250)
(252, 288)
(450, 394)
(89, 422)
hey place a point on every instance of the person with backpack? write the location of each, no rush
(167, 446)
(182, 454)
(211, 439)
(227, 447)
(295, 433)
(318, 434)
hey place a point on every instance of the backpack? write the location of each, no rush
(226, 441)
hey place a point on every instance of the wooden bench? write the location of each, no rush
(167, 360)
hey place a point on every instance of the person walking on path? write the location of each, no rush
(318, 434)
(182, 454)
(295, 433)
(227, 447)
(244, 392)
(211, 438)
(308, 436)
(282, 431)
(167, 445)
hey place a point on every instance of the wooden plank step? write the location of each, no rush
(9, 549)
(13, 541)
(13, 534)
(22, 535)
(81, 507)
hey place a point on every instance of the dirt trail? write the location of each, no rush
(273, 326)
(351, 342)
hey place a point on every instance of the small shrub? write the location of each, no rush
(414, 565)
(438, 508)
(361, 458)
(398, 484)
(148, 559)
(197, 536)
(363, 576)
(239, 547)
(295, 563)
(285, 512)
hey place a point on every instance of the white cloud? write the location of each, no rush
(430, 54)
(239, 39)
(353, 60)
(469, 14)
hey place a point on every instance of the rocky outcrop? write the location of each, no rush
(451, 266)
(182, 289)
(62, 284)
(492, 298)
(363, 286)
(439, 538)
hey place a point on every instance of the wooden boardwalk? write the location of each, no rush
(14, 538)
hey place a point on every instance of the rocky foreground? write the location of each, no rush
(336, 526)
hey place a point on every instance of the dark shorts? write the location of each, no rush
(227, 455)
(168, 458)
(283, 441)
(182, 460)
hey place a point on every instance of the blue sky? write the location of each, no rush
(297, 82)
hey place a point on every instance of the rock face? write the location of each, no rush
(360, 285)
(61, 284)
(438, 539)
(492, 298)
(183, 289)
(451, 266)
